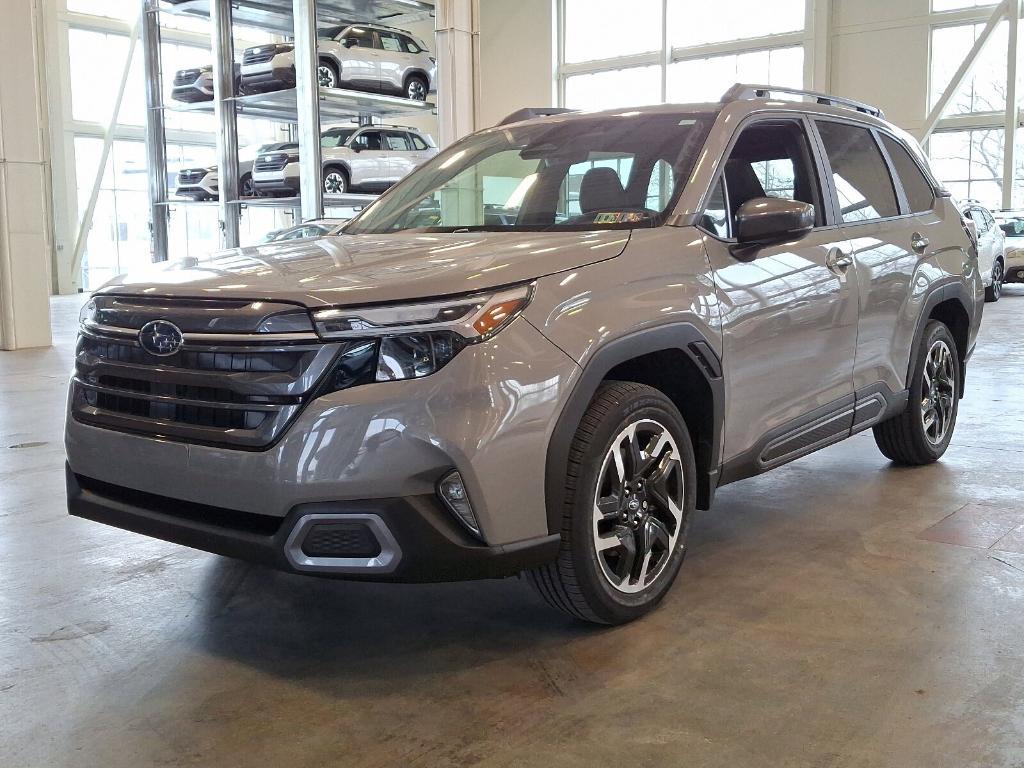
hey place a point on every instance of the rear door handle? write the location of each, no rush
(919, 243)
(838, 261)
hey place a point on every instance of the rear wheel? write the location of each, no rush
(416, 88)
(921, 434)
(335, 180)
(994, 291)
(630, 494)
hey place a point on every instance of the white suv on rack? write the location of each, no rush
(366, 159)
(366, 57)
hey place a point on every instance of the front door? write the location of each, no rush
(371, 165)
(788, 311)
(361, 65)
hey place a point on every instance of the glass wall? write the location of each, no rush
(611, 60)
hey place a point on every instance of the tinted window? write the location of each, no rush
(358, 37)
(716, 216)
(915, 185)
(410, 46)
(979, 220)
(417, 142)
(859, 172)
(389, 41)
(398, 142)
(771, 159)
(333, 139)
(368, 140)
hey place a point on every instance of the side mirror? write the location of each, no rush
(767, 220)
(351, 42)
(358, 147)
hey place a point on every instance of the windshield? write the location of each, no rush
(601, 172)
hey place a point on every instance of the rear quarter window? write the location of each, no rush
(920, 195)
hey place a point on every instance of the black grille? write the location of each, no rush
(340, 540)
(186, 77)
(239, 390)
(275, 162)
(258, 55)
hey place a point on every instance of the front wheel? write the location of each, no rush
(630, 494)
(921, 434)
(327, 75)
(994, 291)
(335, 181)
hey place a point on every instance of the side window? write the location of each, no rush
(409, 45)
(389, 41)
(418, 144)
(919, 192)
(331, 140)
(368, 140)
(859, 173)
(979, 220)
(770, 159)
(397, 142)
(357, 37)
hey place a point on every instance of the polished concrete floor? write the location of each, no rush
(837, 612)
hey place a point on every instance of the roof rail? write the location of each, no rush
(745, 92)
(530, 112)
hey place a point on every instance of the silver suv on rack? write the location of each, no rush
(369, 159)
(366, 57)
(540, 352)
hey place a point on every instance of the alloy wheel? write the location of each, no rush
(638, 506)
(334, 183)
(325, 77)
(938, 390)
(416, 90)
(997, 280)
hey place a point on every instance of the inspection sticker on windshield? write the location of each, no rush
(619, 217)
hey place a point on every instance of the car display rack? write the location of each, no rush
(298, 20)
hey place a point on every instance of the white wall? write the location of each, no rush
(517, 57)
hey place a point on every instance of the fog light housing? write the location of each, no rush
(452, 492)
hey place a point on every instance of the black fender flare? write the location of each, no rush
(684, 337)
(950, 288)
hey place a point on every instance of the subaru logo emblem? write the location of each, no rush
(161, 338)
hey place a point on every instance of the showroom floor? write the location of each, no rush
(837, 612)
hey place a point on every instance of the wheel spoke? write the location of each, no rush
(659, 484)
(645, 567)
(608, 507)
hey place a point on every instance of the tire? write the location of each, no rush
(599, 585)
(335, 180)
(907, 438)
(416, 88)
(994, 291)
(327, 74)
(246, 188)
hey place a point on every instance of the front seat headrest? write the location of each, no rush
(601, 190)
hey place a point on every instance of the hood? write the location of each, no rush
(373, 269)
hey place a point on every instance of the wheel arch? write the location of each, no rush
(951, 305)
(416, 72)
(677, 360)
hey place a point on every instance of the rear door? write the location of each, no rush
(789, 311)
(400, 154)
(889, 241)
(394, 61)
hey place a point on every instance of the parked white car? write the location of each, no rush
(204, 183)
(355, 159)
(312, 228)
(1012, 224)
(990, 247)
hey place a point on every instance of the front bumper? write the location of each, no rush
(285, 181)
(416, 540)
(191, 94)
(489, 413)
(261, 78)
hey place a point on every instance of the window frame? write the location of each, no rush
(903, 208)
(813, 145)
(929, 179)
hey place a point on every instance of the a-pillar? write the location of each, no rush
(26, 237)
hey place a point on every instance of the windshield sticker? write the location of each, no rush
(619, 217)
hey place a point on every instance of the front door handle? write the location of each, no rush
(838, 261)
(919, 243)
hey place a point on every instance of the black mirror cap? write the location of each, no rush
(765, 220)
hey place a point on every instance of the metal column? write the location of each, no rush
(227, 123)
(1012, 120)
(308, 102)
(156, 140)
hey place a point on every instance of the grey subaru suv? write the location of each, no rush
(540, 352)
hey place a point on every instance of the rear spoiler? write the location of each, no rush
(529, 113)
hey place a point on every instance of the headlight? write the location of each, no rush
(87, 315)
(410, 341)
